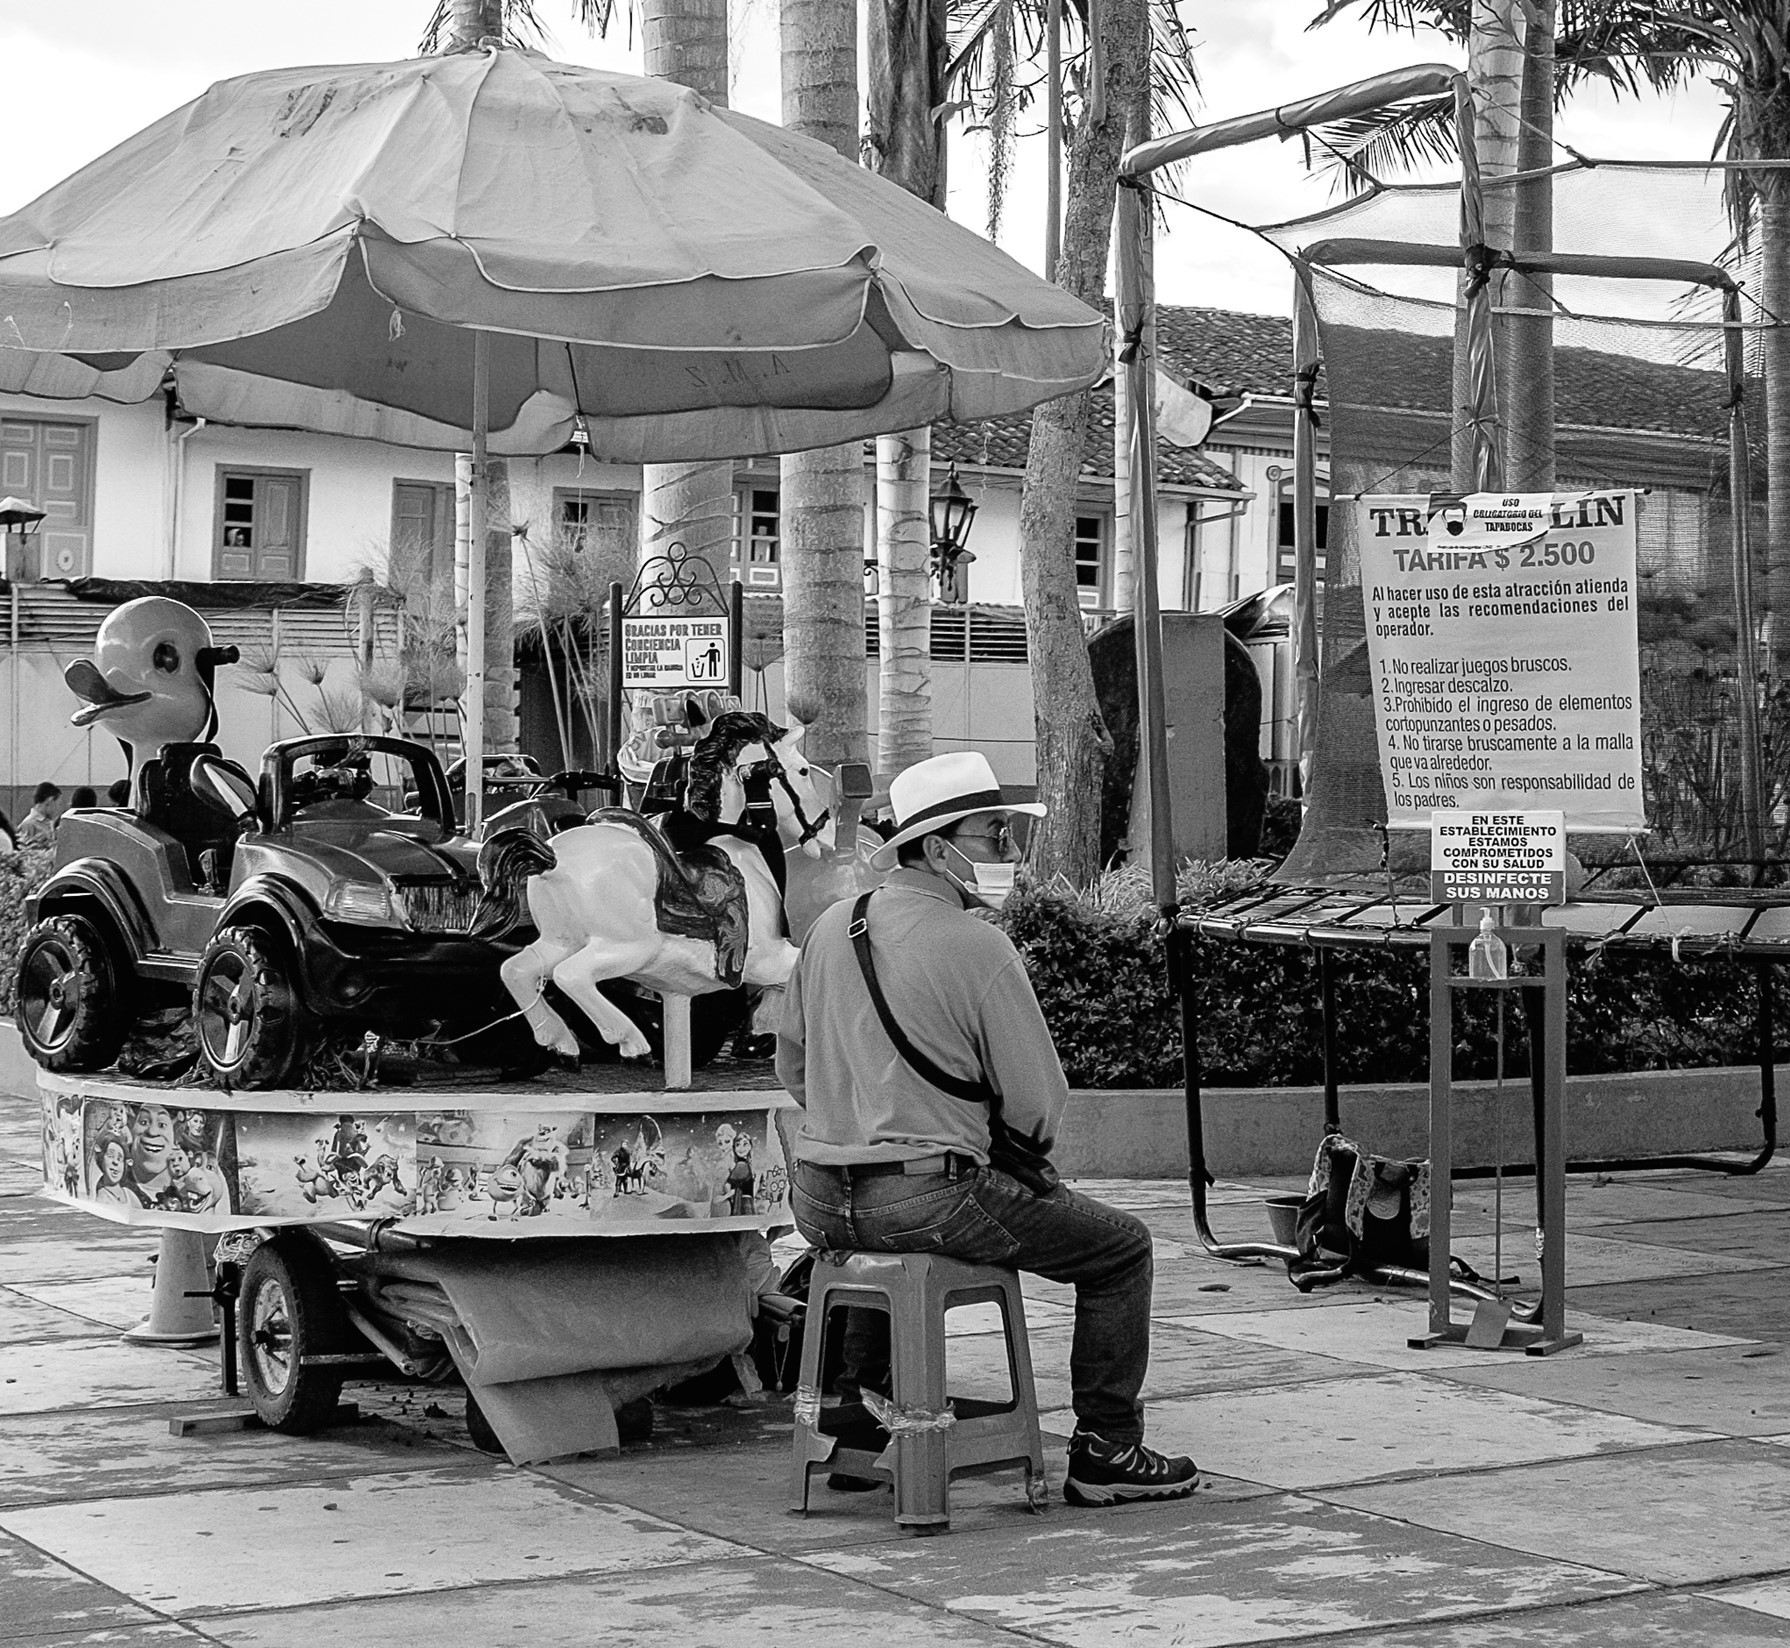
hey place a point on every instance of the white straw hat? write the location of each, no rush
(932, 795)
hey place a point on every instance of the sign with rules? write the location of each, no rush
(675, 652)
(1501, 639)
(1498, 858)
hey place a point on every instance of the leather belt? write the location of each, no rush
(950, 1163)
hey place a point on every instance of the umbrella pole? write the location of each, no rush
(477, 510)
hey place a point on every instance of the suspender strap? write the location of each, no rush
(975, 1092)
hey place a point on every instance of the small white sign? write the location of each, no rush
(674, 652)
(1498, 857)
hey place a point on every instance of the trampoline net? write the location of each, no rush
(1640, 399)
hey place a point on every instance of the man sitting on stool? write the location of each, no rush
(888, 1162)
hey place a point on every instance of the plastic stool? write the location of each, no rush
(916, 1289)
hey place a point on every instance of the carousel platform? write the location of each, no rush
(426, 1152)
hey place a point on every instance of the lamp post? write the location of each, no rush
(17, 515)
(953, 511)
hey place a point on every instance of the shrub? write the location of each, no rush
(21, 874)
(1100, 969)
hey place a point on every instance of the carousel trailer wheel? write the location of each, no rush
(478, 1427)
(289, 1309)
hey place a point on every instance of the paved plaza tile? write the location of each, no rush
(744, 1495)
(24, 1318)
(1731, 1388)
(1718, 1510)
(1184, 1361)
(1649, 1620)
(758, 1603)
(1378, 1335)
(103, 1302)
(47, 1458)
(101, 1373)
(1203, 1573)
(1327, 1432)
(1606, 1256)
(1741, 1233)
(1751, 1304)
(40, 1596)
(83, 1248)
(1770, 1597)
(430, 1530)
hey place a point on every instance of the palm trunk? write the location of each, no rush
(473, 20)
(502, 726)
(1495, 77)
(906, 44)
(1774, 295)
(1072, 740)
(822, 504)
(904, 602)
(688, 504)
(1526, 372)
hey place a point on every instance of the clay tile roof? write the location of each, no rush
(1000, 443)
(1593, 389)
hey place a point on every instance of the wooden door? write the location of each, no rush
(50, 465)
(422, 543)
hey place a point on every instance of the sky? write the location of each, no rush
(82, 75)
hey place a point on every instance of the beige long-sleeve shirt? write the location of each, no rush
(959, 990)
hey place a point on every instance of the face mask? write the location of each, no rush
(990, 885)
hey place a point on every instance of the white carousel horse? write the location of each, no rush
(600, 904)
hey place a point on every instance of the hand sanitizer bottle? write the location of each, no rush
(1487, 955)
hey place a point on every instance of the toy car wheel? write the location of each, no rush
(289, 1309)
(253, 1030)
(71, 1010)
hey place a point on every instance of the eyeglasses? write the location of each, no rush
(998, 835)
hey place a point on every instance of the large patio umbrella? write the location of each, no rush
(490, 250)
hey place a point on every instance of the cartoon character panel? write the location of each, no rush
(501, 1166)
(146, 1155)
(352, 1165)
(620, 1172)
(697, 1165)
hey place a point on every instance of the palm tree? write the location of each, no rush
(1128, 64)
(822, 503)
(907, 47)
(692, 503)
(1072, 740)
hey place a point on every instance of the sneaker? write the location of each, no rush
(1118, 1473)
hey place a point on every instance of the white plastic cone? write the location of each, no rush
(174, 1317)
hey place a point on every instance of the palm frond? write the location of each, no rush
(1453, 18)
(1365, 149)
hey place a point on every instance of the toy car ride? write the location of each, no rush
(314, 904)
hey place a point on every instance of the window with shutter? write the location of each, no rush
(259, 531)
(756, 534)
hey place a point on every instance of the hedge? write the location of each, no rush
(21, 874)
(1100, 971)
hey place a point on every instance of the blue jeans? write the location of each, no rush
(989, 1219)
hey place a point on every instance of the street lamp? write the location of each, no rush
(953, 511)
(20, 516)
